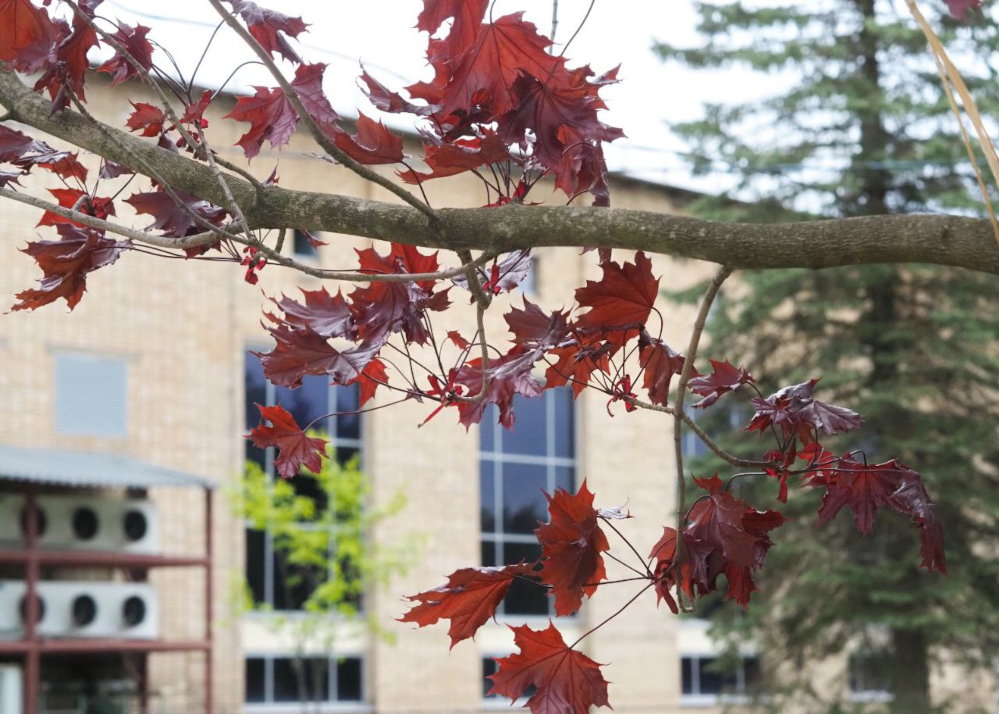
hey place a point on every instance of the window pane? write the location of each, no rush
(344, 454)
(307, 403)
(487, 428)
(524, 503)
(687, 676)
(348, 421)
(565, 478)
(287, 687)
(751, 672)
(714, 681)
(293, 584)
(255, 686)
(487, 497)
(488, 554)
(489, 667)
(302, 246)
(524, 598)
(301, 679)
(564, 435)
(349, 680)
(255, 560)
(309, 487)
(529, 433)
(256, 388)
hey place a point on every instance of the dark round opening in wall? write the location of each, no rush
(23, 608)
(84, 610)
(135, 525)
(41, 520)
(133, 611)
(85, 523)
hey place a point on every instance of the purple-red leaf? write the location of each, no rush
(468, 599)
(295, 449)
(723, 378)
(269, 28)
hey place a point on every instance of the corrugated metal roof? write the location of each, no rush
(77, 468)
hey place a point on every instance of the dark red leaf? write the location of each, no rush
(503, 275)
(571, 544)
(66, 167)
(565, 681)
(65, 76)
(659, 363)
(467, 16)
(269, 28)
(533, 329)
(867, 488)
(508, 375)
(78, 201)
(65, 264)
(723, 378)
(172, 219)
(468, 600)
(24, 26)
(325, 314)
(959, 8)
(308, 84)
(23, 151)
(146, 118)
(194, 112)
(795, 411)
(372, 144)
(372, 376)
(271, 117)
(621, 301)
(451, 158)
(299, 351)
(133, 41)
(388, 101)
(575, 363)
(295, 449)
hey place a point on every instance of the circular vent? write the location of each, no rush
(133, 611)
(85, 523)
(135, 525)
(84, 610)
(23, 608)
(41, 519)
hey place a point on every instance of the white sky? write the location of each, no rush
(381, 33)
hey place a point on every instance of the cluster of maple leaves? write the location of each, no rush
(503, 105)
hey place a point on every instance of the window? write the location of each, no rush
(870, 677)
(489, 668)
(267, 572)
(302, 246)
(91, 395)
(717, 421)
(515, 467)
(706, 680)
(276, 680)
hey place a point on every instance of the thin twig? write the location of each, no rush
(618, 612)
(681, 388)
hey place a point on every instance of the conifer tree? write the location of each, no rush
(862, 127)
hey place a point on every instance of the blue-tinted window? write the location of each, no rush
(271, 680)
(91, 395)
(516, 468)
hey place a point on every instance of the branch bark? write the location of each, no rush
(937, 239)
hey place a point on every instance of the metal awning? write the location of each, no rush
(81, 469)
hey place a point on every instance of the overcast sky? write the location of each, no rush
(380, 33)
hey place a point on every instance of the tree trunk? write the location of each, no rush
(910, 673)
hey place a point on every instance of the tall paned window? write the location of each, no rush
(267, 573)
(516, 467)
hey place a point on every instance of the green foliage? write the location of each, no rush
(862, 128)
(323, 533)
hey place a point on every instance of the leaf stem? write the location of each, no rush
(618, 612)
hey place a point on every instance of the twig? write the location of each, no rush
(681, 388)
(619, 611)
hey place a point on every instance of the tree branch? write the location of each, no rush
(937, 239)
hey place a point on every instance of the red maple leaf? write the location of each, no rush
(503, 275)
(146, 119)
(959, 8)
(468, 600)
(23, 151)
(467, 16)
(566, 681)
(535, 330)
(455, 157)
(575, 363)
(299, 351)
(23, 26)
(475, 82)
(65, 264)
(725, 536)
(571, 544)
(723, 378)
(65, 74)
(621, 301)
(508, 375)
(797, 412)
(372, 144)
(385, 307)
(133, 41)
(664, 553)
(171, 218)
(371, 377)
(866, 488)
(80, 201)
(295, 449)
(325, 314)
(269, 27)
(391, 102)
(272, 118)
(67, 167)
(660, 363)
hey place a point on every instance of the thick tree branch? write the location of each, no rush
(937, 239)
